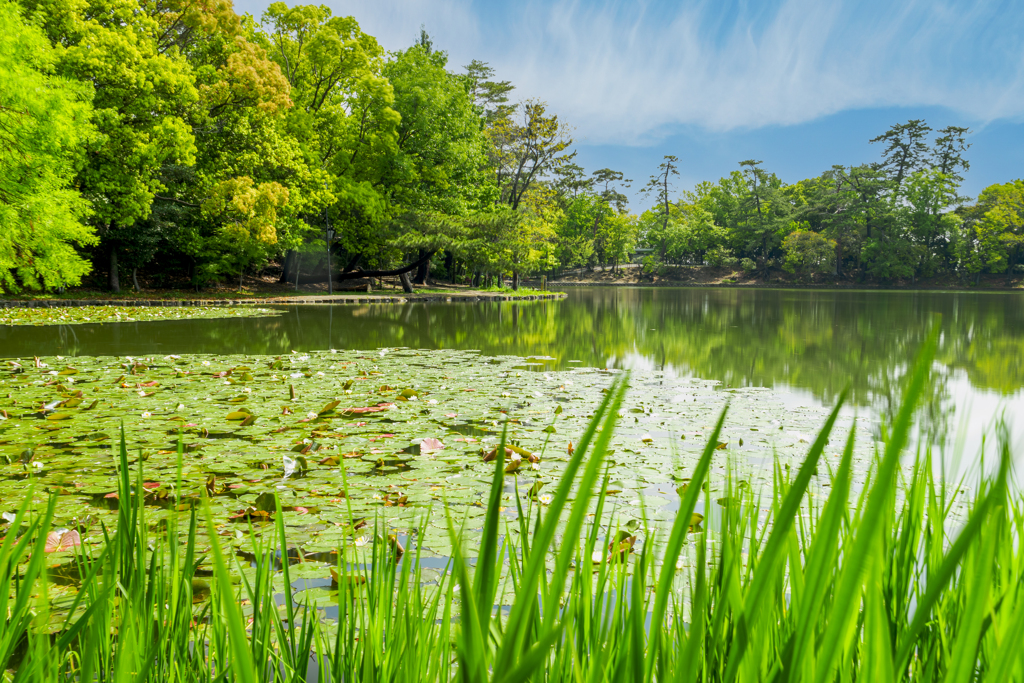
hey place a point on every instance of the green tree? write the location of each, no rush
(660, 185)
(808, 252)
(143, 89)
(342, 117)
(42, 118)
(247, 213)
(763, 212)
(1002, 223)
(609, 181)
(489, 97)
(906, 149)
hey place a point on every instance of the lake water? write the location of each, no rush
(807, 345)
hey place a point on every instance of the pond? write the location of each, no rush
(344, 415)
(806, 345)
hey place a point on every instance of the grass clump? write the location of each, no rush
(882, 583)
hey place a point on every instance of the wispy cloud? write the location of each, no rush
(630, 72)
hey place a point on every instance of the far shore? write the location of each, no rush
(710, 276)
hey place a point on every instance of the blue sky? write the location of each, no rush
(799, 84)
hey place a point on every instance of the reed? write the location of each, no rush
(883, 585)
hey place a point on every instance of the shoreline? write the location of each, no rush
(834, 287)
(326, 299)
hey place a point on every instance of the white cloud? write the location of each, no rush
(629, 72)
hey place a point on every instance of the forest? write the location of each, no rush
(184, 145)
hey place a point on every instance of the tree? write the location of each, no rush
(42, 118)
(524, 146)
(763, 215)
(608, 180)
(439, 164)
(344, 118)
(247, 213)
(947, 152)
(489, 97)
(808, 252)
(619, 237)
(142, 93)
(906, 150)
(929, 195)
(1002, 223)
(660, 186)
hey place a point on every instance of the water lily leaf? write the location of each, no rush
(59, 416)
(329, 408)
(62, 539)
(266, 502)
(368, 409)
(68, 371)
(239, 414)
(493, 453)
(430, 445)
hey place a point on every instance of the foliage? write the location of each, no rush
(42, 117)
(795, 581)
(808, 252)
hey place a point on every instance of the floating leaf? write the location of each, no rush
(329, 408)
(62, 539)
(430, 445)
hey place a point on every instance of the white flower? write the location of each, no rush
(334, 350)
(146, 413)
(296, 375)
(382, 352)
(320, 374)
(142, 392)
(180, 406)
(311, 416)
(206, 362)
(38, 465)
(361, 541)
(432, 401)
(246, 390)
(52, 372)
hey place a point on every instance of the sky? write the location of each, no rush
(798, 84)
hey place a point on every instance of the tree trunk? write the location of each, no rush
(449, 266)
(135, 279)
(515, 280)
(298, 258)
(113, 280)
(286, 267)
(423, 271)
(406, 285)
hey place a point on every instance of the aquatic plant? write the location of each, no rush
(890, 582)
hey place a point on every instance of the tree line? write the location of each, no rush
(900, 218)
(180, 141)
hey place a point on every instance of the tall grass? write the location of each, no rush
(884, 585)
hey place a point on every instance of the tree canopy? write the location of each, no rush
(182, 142)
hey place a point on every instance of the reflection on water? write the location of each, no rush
(807, 342)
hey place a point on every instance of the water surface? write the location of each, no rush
(806, 344)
